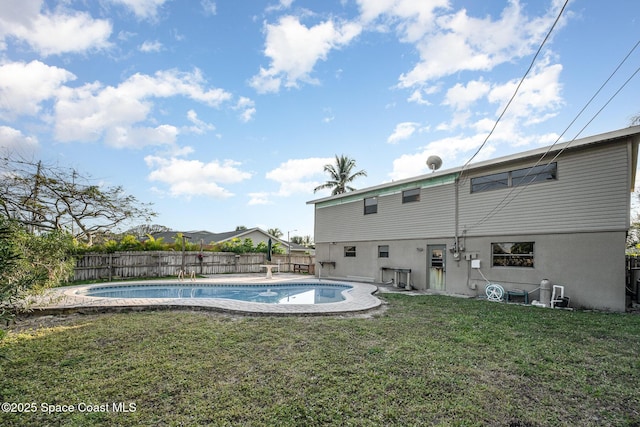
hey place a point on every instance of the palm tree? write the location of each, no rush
(275, 232)
(341, 175)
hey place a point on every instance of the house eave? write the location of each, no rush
(549, 151)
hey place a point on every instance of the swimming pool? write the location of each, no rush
(290, 293)
(356, 296)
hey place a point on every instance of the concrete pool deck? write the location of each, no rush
(67, 300)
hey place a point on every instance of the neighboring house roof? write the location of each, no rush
(195, 236)
(449, 175)
(208, 237)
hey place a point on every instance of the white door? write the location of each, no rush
(436, 263)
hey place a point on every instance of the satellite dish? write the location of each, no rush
(434, 163)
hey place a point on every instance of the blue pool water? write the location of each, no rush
(272, 294)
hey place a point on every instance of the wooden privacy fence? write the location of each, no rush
(118, 265)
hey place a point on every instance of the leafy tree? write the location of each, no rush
(153, 244)
(305, 241)
(241, 228)
(245, 246)
(262, 247)
(178, 241)
(633, 239)
(10, 285)
(147, 230)
(633, 234)
(236, 245)
(341, 175)
(130, 243)
(46, 198)
(31, 263)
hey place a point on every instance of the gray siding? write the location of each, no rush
(431, 216)
(591, 194)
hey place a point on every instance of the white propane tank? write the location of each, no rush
(545, 292)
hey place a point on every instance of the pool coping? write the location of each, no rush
(67, 300)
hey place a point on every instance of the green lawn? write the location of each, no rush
(428, 360)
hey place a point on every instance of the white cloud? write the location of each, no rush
(459, 119)
(282, 4)
(260, 198)
(143, 9)
(195, 178)
(460, 42)
(402, 131)
(417, 96)
(247, 115)
(295, 176)
(294, 50)
(448, 149)
(299, 175)
(150, 46)
(209, 7)
(461, 96)
(456, 150)
(24, 86)
(125, 35)
(246, 107)
(134, 137)
(199, 127)
(451, 41)
(171, 83)
(328, 115)
(52, 33)
(538, 99)
(14, 141)
(413, 19)
(121, 116)
(538, 95)
(89, 112)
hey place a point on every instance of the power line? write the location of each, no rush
(506, 107)
(504, 202)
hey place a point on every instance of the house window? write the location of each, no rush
(370, 205)
(383, 251)
(512, 254)
(490, 182)
(515, 178)
(535, 174)
(412, 195)
(350, 251)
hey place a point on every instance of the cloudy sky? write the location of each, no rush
(223, 113)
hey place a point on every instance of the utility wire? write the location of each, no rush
(504, 202)
(499, 205)
(506, 107)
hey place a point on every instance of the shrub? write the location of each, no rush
(30, 263)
